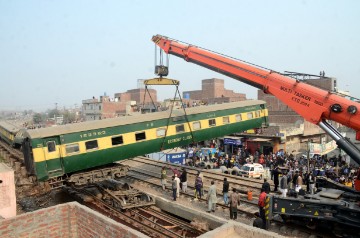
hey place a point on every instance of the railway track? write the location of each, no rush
(242, 185)
(149, 171)
(147, 219)
(247, 208)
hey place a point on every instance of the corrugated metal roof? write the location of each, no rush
(91, 125)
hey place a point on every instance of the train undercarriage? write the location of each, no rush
(114, 193)
(330, 209)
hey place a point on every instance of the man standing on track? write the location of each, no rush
(163, 178)
(174, 187)
(261, 205)
(266, 186)
(284, 185)
(234, 202)
(225, 191)
(183, 180)
(178, 185)
(198, 186)
(211, 197)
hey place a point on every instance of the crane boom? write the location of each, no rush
(313, 104)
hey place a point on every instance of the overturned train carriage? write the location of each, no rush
(63, 150)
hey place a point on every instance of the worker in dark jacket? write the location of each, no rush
(225, 191)
(266, 186)
(276, 178)
(183, 180)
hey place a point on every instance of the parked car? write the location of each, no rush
(254, 170)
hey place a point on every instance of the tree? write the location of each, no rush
(53, 112)
(69, 116)
(38, 118)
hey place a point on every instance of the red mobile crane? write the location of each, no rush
(316, 106)
(313, 104)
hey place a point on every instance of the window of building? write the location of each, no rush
(250, 115)
(160, 132)
(196, 125)
(212, 122)
(90, 145)
(118, 140)
(99, 107)
(140, 136)
(72, 148)
(226, 120)
(180, 128)
(238, 117)
(51, 146)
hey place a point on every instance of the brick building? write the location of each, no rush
(137, 95)
(213, 91)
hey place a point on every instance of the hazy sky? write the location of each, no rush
(66, 51)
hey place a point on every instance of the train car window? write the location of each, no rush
(72, 148)
(160, 132)
(180, 128)
(226, 120)
(238, 117)
(250, 115)
(257, 113)
(90, 145)
(196, 125)
(51, 146)
(212, 122)
(140, 136)
(118, 140)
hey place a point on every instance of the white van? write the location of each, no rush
(254, 170)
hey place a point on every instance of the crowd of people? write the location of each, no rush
(335, 167)
(297, 174)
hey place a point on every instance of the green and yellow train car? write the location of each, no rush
(64, 150)
(8, 132)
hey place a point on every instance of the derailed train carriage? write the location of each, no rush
(56, 154)
(10, 133)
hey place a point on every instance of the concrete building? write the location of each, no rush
(122, 104)
(95, 109)
(213, 91)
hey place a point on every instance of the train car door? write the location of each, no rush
(53, 157)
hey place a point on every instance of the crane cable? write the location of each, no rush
(185, 115)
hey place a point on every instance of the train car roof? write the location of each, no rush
(9, 126)
(125, 120)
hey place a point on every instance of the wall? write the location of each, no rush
(7, 192)
(213, 89)
(66, 220)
